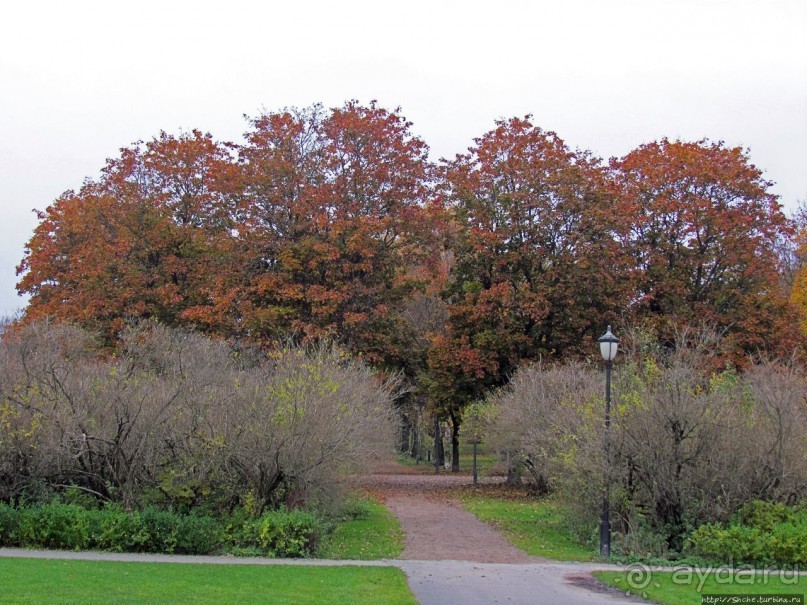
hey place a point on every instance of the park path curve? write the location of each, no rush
(450, 557)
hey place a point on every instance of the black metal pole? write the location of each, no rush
(605, 523)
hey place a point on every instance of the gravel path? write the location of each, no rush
(450, 557)
(438, 529)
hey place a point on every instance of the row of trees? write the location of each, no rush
(335, 224)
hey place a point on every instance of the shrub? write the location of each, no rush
(289, 533)
(688, 446)
(197, 535)
(280, 533)
(173, 533)
(766, 515)
(9, 520)
(54, 525)
(204, 424)
(762, 533)
(113, 529)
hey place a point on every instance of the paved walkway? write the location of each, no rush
(469, 583)
(450, 556)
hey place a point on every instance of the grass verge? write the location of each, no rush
(687, 587)
(536, 526)
(36, 581)
(368, 532)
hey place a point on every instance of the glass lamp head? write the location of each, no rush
(608, 345)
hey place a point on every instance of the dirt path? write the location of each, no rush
(451, 557)
(436, 528)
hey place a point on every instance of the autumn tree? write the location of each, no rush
(798, 291)
(703, 231)
(309, 230)
(135, 243)
(330, 218)
(537, 265)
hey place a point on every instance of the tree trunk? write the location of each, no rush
(415, 451)
(403, 446)
(439, 454)
(513, 474)
(455, 443)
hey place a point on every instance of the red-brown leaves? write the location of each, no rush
(536, 238)
(703, 234)
(135, 244)
(324, 223)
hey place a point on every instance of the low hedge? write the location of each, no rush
(62, 526)
(761, 533)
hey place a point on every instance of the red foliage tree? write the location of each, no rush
(703, 233)
(538, 268)
(332, 216)
(133, 244)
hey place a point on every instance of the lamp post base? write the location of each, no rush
(605, 531)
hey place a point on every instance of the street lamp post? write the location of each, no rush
(608, 347)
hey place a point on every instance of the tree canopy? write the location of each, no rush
(334, 224)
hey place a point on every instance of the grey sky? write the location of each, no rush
(79, 80)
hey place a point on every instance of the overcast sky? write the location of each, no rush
(79, 80)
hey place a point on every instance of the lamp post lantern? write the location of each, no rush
(608, 348)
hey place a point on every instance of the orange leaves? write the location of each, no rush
(326, 222)
(331, 204)
(133, 244)
(536, 231)
(703, 234)
(798, 297)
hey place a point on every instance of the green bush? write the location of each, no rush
(54, 525)
(114, 529)
(766, 515)
(292, 533)
(789, 543)
(63, 526)
(761, 533)
(197, 535)
(156, 531)
(173, 533)
(9, 519)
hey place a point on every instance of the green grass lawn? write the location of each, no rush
(37, 581)
(371, 534)
(536, 526)
(682, 588)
